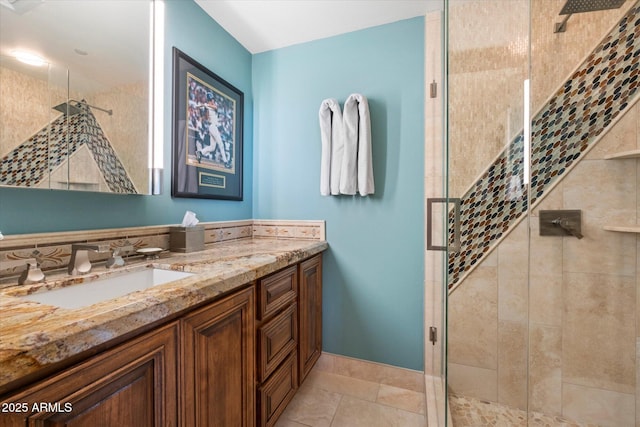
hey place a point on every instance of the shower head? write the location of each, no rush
(67, 109)
(580, 6)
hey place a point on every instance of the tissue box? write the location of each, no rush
(186, 239)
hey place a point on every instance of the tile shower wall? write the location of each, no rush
(569, 124)
(28, 165)
(127, 137)
(25, 109)
(583, 299)
(24, 100)
(482, 68)
(583, 302)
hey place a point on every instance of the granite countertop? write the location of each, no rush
(34, 335)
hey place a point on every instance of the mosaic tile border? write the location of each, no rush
(53, 250)
(572, 121)
(28, 164)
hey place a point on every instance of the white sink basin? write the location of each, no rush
(98, 290)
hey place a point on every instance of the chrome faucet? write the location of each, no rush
(567, 226)
(79, 262)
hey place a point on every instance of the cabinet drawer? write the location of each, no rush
(276, 291)
(276, 339)
(277, 392)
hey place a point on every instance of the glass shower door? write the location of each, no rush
(487, 274)
(541, 143)
(437, 208)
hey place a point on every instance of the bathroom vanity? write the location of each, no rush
(226, 346)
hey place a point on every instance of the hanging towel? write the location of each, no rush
(331, 135)
(357, 164)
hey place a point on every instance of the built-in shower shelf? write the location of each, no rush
(632, 154)
(623, 229)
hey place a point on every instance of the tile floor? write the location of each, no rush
(344, 392)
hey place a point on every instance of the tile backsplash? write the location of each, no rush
(53, 250)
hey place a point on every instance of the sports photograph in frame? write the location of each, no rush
(207, 133)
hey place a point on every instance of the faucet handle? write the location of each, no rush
(32, 274)
(116, 260)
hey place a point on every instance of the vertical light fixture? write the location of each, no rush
(526, 134)
(156, 96)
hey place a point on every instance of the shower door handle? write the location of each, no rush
(455, 247)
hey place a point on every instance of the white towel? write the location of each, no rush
(331, 134)
(357, 164)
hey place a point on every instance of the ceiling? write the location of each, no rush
(262, 25)
(98, 61)
(104, 42)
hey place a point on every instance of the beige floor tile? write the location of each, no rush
(287, 423)
(328, 398)
(312, 407)
(354, 412)
(400, 398)
(365, 390)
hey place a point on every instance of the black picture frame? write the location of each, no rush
(207, 138)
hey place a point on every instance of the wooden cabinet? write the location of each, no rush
(277, 337)
(132, 385)
(310, 307)
(235, 362)
(217, 369)
(139, 384)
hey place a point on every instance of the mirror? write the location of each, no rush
(81, 120)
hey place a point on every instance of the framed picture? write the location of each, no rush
(207, 133)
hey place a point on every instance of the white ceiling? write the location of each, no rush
(113, 35)
(261, 25)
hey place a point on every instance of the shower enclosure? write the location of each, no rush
(533, 190)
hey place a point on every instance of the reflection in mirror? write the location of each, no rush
(81, 120)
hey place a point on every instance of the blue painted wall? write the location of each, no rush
(373, 272)
(199, 36)
(373, 298)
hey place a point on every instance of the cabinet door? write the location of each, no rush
(310, 307)
(132, 385)
(217, 364)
